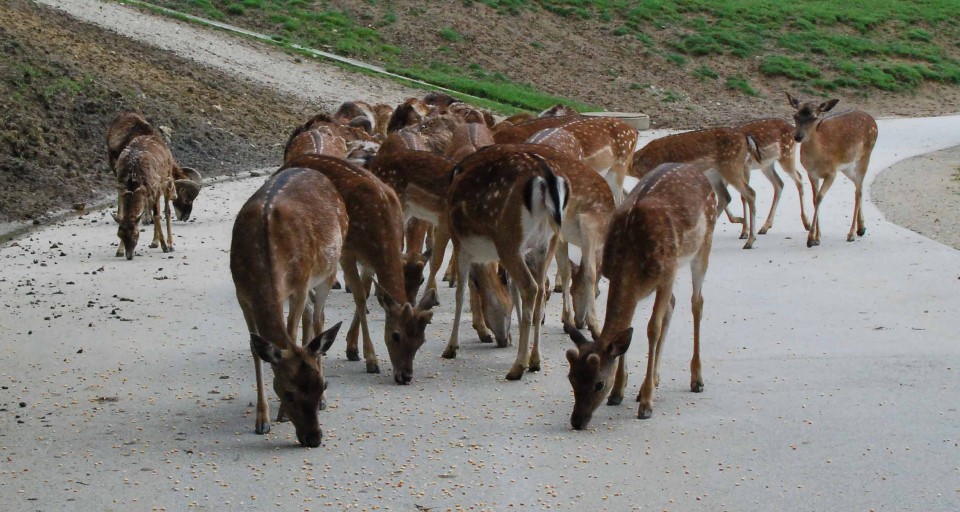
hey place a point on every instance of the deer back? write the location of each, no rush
(402, 168)
(321, 140)
(125, 127)
(376, 218)
(841, 138)
(712, 148)
(773, 137)
(520, 132)
(559, 139)
(468, 139)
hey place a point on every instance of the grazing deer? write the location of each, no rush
(507, 204)
(559, 139)
(608, 144)
(286, 243)
(559, 110)
(144, 174)
(374, 242)
(127, 126)
(468, 139)
(371, 119)
(722, 153)
(408, 113)
(322, 140)
(518, 118)
(667, 219)
(842, 141)
(775, 144)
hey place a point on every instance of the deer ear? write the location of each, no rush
(384, 298)
(620, 343)
(572, 356)
(593, 360)
(424, 318)
(264, 349)
(829, 104)
(578, 338)
(428, 301)
(322, 343)
(795, 103)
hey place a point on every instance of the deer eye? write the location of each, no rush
(598, 386)
(396, 337)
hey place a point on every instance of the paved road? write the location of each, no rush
(830, 384)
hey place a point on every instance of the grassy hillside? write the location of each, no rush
(812, 45)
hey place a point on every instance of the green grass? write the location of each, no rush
(740, 83)
(705, 73)
(893, 45)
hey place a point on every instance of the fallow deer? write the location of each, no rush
(144, 175)
(775, 144)
(316, 141)
(842, 141)
(408, 113)
(128, 125)
(371, 119)
(515, 119)
(468, 139)
(666, 220)
(440, 99)
(559, 139)
(721, 153)
(287, 240)
(608, 144)
(559, 110)
(374, 242)
(508, 205)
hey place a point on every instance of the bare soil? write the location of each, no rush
(61, 83)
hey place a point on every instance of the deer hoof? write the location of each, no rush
(486, 338)
(748, 245)
(503, 343)
(812, 243)
(614, 400)
(645, 413)
(696, 387)
(534, 367)
(851, 238)
(450, 353)
(763, 231)
(516, 373)
(861, 231)
(263, 428)
(337, 285)
(353, 355)
(373, 368)
(153, 245)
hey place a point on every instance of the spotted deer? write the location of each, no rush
(507, 205)
(371, 119)
(665, 221)
(775, 144)
(322, 140)
(144, 175)
(830, 143)
(722, 153)
(128, 125)
(374, 243)
(287, 240)
(608, 144)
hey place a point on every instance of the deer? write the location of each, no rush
(144, 175)
(842, 141)
(775, 144)
(321, 140)
(608, 144)
(507, 204)
(665, 221)
(287, 240)
(128, 125)
(371, 119)
(722, 153)
(374, 242)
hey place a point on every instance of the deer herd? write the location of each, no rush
(380, 192)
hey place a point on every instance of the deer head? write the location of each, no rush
(187, 191)
(403, 330)
(808, 114)
(133, 208)
(593, 365)
(298, 381)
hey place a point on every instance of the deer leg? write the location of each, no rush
(585, 288)
(463, 267)
(476, 307)
(564, 284)
(369, 354)
(750, 196)
(698, 270)
(440, 238)
(619, 382)
(262, 425)
(529, 294)
(814, 237)
(317, 318)
(654, 328)
(166, 213)
(157, 233)
(540, 273)
(777, 183)
(667, 316)
(788, 166)
(351, 278)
